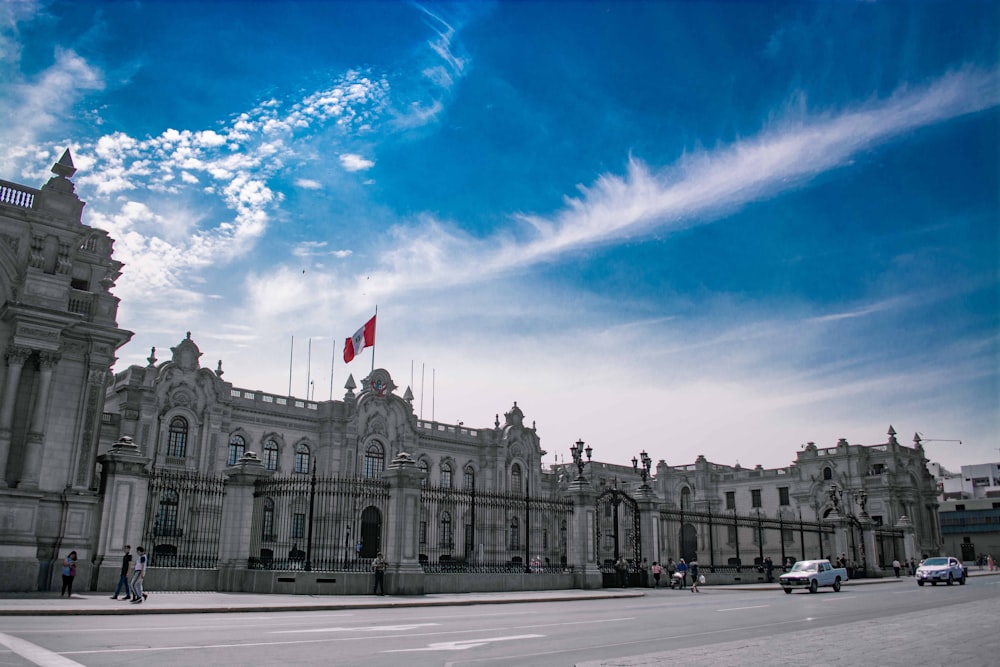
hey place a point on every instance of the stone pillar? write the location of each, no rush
(16, 356)
(910, 549)
(869, 548)
(35, 445)
(237, 511)
(841, 535)
(404, 576)
(124, 490)
(580, 540)
(649, 527)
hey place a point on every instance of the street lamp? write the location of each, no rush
(578, 451)
(647, 466)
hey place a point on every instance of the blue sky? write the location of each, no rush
(687, 228)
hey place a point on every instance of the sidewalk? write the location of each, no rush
(173, 602)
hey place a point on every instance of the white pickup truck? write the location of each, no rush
(812, 574)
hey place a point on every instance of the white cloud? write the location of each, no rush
(352, 162)
(308, 184)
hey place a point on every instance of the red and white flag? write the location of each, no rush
(362, 338)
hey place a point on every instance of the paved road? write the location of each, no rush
(893, 623)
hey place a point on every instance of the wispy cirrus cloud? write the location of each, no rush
(700, 187)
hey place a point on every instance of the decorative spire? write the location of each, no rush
(218, 369)
(152, 356)
(64, 167)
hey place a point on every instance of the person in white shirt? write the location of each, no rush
(138, 574)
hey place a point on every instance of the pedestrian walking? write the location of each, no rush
(138, 576)
(657, 570)
(694, 576)
(123, 577)
(378, 566)
(769, 569)
(621, 567)
(68, 574)
(896, 566)
(682, 569)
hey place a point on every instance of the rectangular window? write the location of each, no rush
(730, 500)
(755, 497)
(783, 496)
(298, 526)
(731, 534)
(787, 535)
(423, 532)
(960, 507)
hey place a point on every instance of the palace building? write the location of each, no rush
(236, 489)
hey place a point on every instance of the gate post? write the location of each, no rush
(649, 531)
(909, 539)
(404, 575)
(124, 488)
(580, 541)
(237, 518)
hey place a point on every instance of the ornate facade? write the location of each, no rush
(223, 482)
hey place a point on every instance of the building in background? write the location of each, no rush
(970, 510)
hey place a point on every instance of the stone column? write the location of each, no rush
(35, 445)
(124, 490)
(404, 575)
(649, 527)
(237, 512)
(580, 540)
(910, 549)
(16, 357)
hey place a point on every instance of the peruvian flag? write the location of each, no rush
(362, 338)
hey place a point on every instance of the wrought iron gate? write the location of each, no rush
(617, 529)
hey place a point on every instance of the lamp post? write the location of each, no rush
(578, 451)
(644, 470)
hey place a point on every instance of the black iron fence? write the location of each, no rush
(324, 524)
(469, 530)
(183, 519)
(730, 542)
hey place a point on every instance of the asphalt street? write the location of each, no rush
(884, 623)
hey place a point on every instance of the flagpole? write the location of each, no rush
(309, 363)
(373, 341)
(291, 355)
(333, 358)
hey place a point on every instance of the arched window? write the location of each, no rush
(515, 478)
(422, 464)
(685, 498)
(166, 518)
(827, 473)
(515, 534)
(237, 448)
(446, 541)
(469, 478)
(374, 460)
(177, 438)
(271, 454)
(267, 526)
(445, 476)
(302, 459)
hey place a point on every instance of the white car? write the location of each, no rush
(944, 568)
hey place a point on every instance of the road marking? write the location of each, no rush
(36, 654)
(759, 606)
(463, 644)
(363, 628)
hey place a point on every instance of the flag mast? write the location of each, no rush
(373, 340)
(291, 355)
